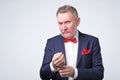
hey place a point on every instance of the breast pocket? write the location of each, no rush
(86, 61)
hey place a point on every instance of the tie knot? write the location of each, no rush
(70, 40)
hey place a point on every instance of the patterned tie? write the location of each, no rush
(70, 40)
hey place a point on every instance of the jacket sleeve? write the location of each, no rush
(96, 72)
(45, 71)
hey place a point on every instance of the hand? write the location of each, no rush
(58, 60)
(66, 71)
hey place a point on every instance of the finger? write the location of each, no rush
(60, 68)
(61, 57)
(60, 61)
(56, 56)
(67, 71)
(63, 73)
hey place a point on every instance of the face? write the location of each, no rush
(67, 24)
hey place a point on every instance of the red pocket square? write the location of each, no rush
(85, 51)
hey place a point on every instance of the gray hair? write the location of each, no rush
(67, 8)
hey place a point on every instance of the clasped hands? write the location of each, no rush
(58, 63)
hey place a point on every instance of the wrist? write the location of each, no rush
(75, 75)
(53, 69)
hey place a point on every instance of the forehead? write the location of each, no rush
(64, 16)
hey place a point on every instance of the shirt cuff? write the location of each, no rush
(76, 73)
(52, 68)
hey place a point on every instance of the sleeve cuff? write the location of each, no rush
(76, 73)
(52, 68)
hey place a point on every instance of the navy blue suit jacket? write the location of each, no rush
(90, 66)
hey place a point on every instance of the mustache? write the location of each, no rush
(65, 32)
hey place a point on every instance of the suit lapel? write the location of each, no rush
(80, 47)
(60, 45)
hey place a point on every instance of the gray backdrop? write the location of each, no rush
(25, 26)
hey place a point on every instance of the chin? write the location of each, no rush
(67, 36)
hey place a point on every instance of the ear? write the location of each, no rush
(78, 21)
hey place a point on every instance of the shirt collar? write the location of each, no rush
(76, 35)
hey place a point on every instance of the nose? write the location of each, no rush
(64, 27)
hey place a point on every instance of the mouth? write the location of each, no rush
(65, 32)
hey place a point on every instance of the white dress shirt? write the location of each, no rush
(71, 56)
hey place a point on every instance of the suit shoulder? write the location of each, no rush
(90, 37)
(55, 38)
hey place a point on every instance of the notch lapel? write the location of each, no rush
(61, 46)
(80, 47)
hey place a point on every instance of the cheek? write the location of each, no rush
(72, 28)
(60, 28)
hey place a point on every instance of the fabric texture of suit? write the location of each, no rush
(90, 66)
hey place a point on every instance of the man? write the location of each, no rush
(71, 55)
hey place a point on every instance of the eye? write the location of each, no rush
(59, 23)
(67, 22)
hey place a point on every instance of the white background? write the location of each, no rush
(25, 26)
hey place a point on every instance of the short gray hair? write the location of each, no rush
(67, 8)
